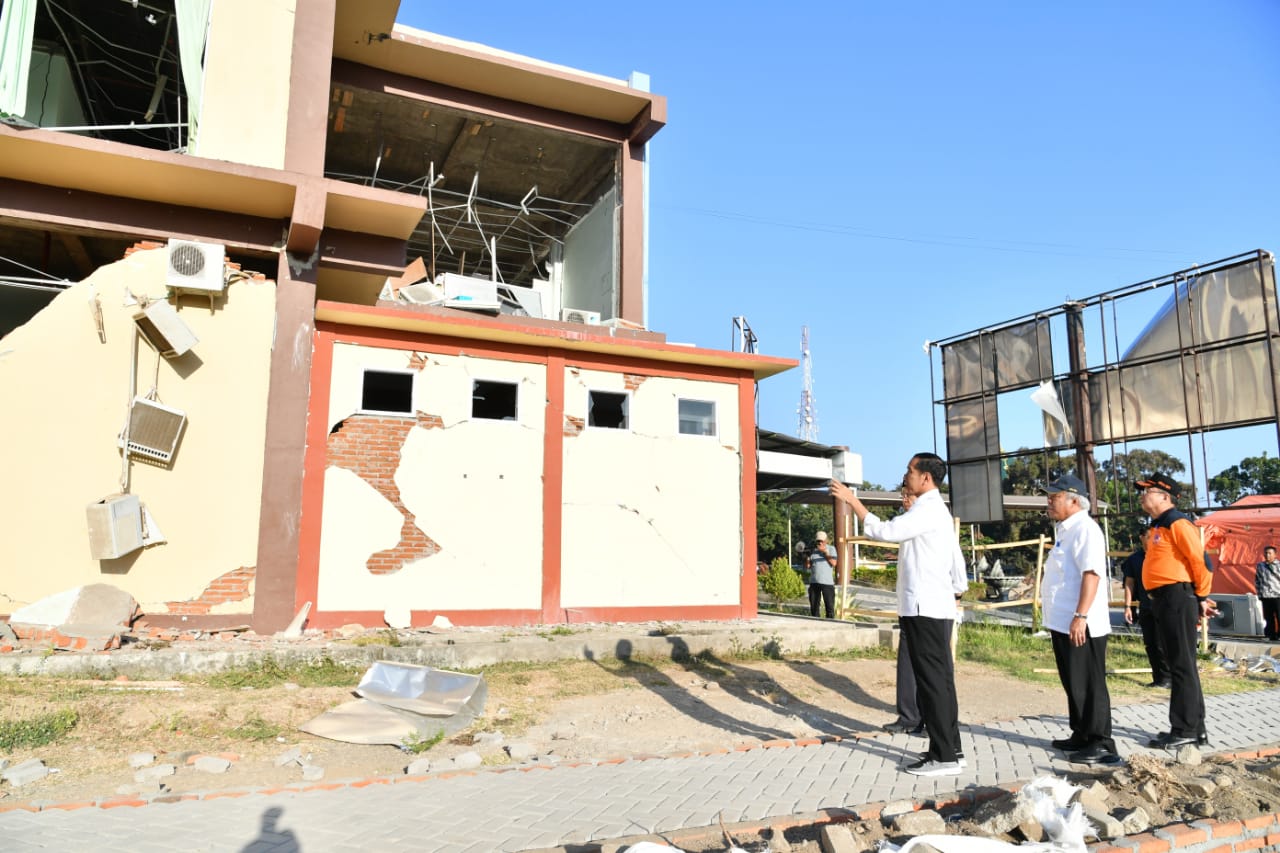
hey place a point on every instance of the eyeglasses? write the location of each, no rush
(1152, 490)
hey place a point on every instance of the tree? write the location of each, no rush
(1255, 475)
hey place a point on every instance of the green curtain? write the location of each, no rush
(17, 28)
(193, 32)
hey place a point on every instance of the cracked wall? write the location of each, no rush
(650, 517)
(472, 489)
(65, 397)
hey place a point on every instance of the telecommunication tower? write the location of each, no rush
(807, 425)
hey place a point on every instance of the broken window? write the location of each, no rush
(387, 391)
(697, 417)
(607, 409)
(495, 401)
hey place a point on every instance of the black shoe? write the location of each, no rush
(1168, 740)
(918, 731)
(897, 727)
(1095, 753)
(1164, 685)
(1069, 744)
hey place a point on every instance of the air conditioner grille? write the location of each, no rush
(154, 430)
(186, 259)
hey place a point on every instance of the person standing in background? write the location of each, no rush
(1135, 599)
(1266, 583)
(821, 561)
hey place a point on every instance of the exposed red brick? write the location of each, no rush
(1249, 844)
(573, 426)
(775, 744)
(71, 806)
(633, 380)
(370, 447)
(1262, 820)
(1181, 835)
(233, 586)
(121, 802)
(1148, 843)
(1225, 828)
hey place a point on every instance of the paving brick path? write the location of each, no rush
(516, 810)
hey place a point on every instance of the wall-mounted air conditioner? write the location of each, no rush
(163, 328)
(154, 430)
(1237, 614)
(578, 315)
(196, 267)
(464, 291)
(115, 526)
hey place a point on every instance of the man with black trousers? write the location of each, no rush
(1178, 584)
(1075, 589)
(1135, 599)
(929, 558)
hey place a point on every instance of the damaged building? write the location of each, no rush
(300, 306)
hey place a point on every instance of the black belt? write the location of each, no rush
(1169, 587)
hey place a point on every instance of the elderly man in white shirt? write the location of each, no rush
(1075, 589)
(930, 573)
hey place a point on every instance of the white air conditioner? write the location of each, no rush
(115, 526)
(164, 329)
(154, 430)
(196, 267)
(578, 315)
(1237, 614)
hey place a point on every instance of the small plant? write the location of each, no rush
(40, 730)
(386, 637)
(416, 744)
(781, 581)
(256, 728)
(557, 631)
(268, 672)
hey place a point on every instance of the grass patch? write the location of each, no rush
(256, 728)
(269, 672)
(416, 744)
(385, 637)
(557, 631)
(38, 730)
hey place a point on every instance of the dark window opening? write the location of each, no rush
(495, 401)
(607, 409)
(387, 392)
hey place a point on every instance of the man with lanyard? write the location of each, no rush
(1075, 612)
(1178, 584)
(928, 560)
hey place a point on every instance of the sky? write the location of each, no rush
(890, 173)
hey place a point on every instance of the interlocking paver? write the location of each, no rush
(520, 811)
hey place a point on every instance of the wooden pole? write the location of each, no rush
(1035, 597)
(844, 551)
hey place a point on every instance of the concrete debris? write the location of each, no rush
(1031, 830)
(836, 838)
(1133, 821)
(26, 772)
(488, 741)
(1202, 808)
(441, 623)
(923, 822)
(349, 631)
(312, 773)
(1223, 779)
(95, 604)
(158, 771)
(1200, 787)
(520, 751)
(418, 767)
(1150, 791)
(212, 764)
(998, 816)
(141, 759)
(1189, 755)
(1104, 825)
(294, 628)
(289, 756)
(6, 633)
(469, 760)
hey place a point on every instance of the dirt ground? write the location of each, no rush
(563, 712)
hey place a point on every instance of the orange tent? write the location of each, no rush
(1236, 535)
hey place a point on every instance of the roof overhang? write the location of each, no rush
(585, 339)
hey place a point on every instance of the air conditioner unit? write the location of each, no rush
(463, 291)
(160, 324)
(578, 315)
(1237, 614)
(115, 526)
(154, 430)
(196, 267)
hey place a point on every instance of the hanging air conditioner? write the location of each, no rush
(578, 315)
(1237, 614)
(196, 267)
(154, 430)
(115, 526)
(160, 324)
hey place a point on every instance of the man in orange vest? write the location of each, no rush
(1178, 584)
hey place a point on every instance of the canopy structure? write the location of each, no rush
(1236, 536)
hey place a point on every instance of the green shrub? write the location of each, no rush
(781, 581)
(39, 730)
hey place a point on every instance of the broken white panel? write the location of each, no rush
(795, 465)
(423, 689)
(1056, 429)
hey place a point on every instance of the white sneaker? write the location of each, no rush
(930, 767)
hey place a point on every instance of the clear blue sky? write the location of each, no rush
(894, 172)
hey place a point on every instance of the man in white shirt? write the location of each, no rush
(1075, 590)
(930, 565)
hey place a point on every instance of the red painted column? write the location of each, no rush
(553, 491)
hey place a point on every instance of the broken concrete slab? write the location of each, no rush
(25, 773)
(94, 604)
(138, 760)
(212, 764)
(312, 773)
(289, 756)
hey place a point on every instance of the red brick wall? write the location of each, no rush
(233, 586)
(369, 446)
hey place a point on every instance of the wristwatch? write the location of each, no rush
(1079, 616)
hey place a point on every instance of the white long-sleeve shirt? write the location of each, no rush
(930, 565)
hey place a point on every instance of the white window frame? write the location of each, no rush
(715, 418)
(413, 388)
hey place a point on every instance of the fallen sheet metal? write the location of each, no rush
(402, 700)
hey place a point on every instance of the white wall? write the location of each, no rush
(651, 517)
(475, 487)
(591, 260)
(65, 399)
